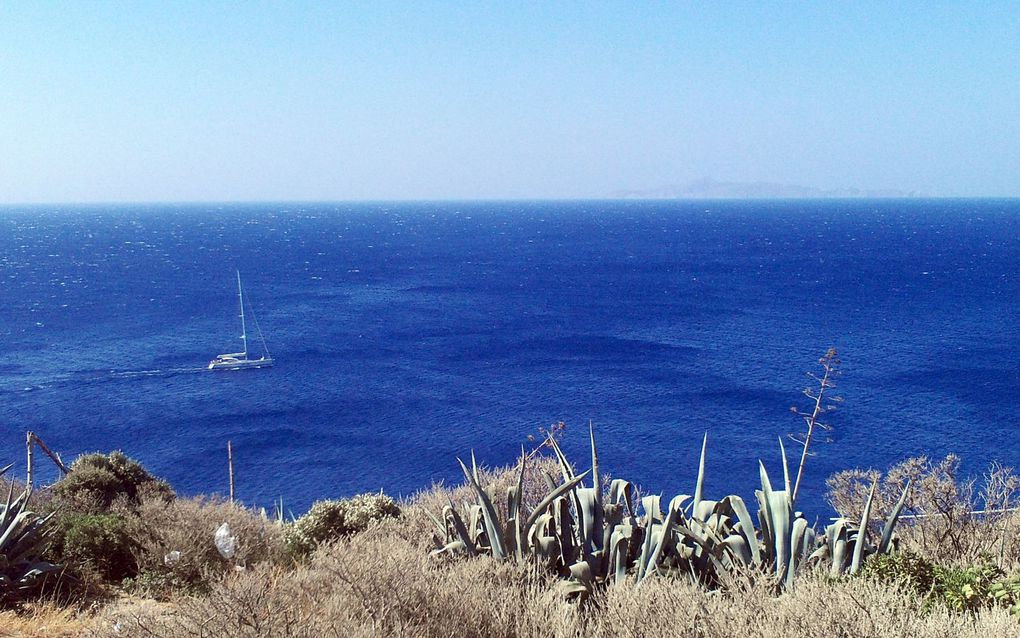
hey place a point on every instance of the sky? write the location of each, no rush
(291, 101)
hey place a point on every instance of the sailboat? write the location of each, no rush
(241, 360)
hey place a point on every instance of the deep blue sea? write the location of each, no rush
(408, 334)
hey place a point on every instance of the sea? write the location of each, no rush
(408, 335)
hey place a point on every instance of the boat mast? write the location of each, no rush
(240, 299)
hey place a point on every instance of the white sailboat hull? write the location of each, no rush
(226, 362)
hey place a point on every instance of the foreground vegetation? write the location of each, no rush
(544, 548)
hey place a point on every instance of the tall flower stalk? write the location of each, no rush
(830, 370)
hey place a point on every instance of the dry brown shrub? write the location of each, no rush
(371, 586)
(938, 519)
(188, 526)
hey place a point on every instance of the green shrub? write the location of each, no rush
(960, 589)
(97, 480)
(907, 568)
(966, 588)
(95, 545)
(333, 519)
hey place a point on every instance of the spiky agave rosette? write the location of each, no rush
(592, 539)
(23, 538)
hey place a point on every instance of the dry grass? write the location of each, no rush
(43, 619)
(381, 584)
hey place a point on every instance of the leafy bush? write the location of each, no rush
(959, 589)
(97, 480)
(333, 519)
(907, 568)
(95, 545)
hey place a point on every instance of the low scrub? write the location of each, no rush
(958, 588)
(96, 547)
(330, 520)
(379, 583)
(175, 549)
(97, 480)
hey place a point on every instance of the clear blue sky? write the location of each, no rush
(216, 101)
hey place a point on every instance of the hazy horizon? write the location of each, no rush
(197, 103)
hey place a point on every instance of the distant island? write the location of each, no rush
(707, 188)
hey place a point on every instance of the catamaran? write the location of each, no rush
(240, 360)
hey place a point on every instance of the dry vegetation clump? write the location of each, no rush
(939, 521)
(378, 584)
(375, 583)
(174, 543)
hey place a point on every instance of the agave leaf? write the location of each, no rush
(552, 496)
(838, 546)
(460, 528)
(650, 504)
(673, 518)
(14, 528)
(453, 547)
(589, 524)
(778, 510)
(701, 473)
(619, 548)
(493, 529)
(581, 572)
(782, 524)
(862, 534)
(14, 508)
(621, 491)
(514, 508)
(786, 466)
(765, 516)
(596, 478)
(745, 525)
(550, 482)
(6, 515)
(548, 548)
(443, 531)
(703, 511)
(565, 468)
(738, 547)
(568, 473)
(564, 531)
(800, 527)
(887, 532)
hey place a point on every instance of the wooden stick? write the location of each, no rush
(230, 465)
(28, 454)
(49, 453)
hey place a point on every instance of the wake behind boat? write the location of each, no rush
(241, 360)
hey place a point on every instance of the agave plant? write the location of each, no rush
(23, 536)
(845, 545)
(592, 539)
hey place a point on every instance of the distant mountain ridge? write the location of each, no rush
(707, 188)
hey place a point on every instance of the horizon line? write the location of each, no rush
(481, 200)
